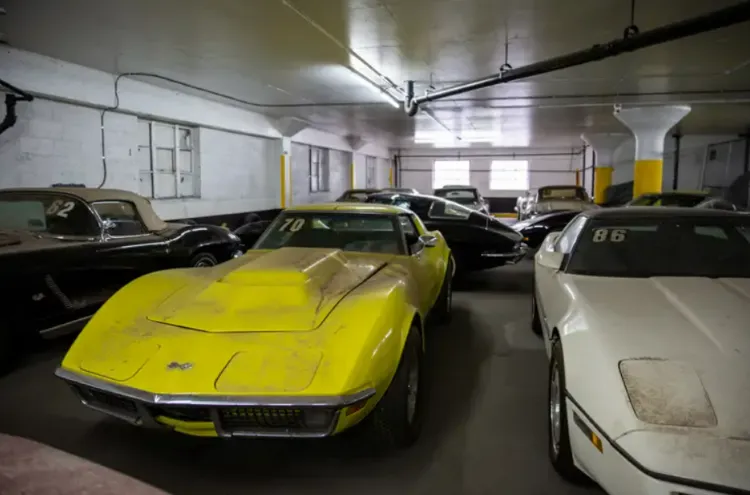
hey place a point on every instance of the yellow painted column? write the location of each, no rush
(282, 177)
(602, 180)
(352, 176)
(578, 177)
(390, 176)
(648, 176)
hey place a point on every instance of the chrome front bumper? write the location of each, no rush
(231, 416)
(511, 257)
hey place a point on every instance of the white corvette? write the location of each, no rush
(645, 315)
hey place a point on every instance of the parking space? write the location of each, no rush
(485, 432)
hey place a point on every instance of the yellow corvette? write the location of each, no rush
(317, 329)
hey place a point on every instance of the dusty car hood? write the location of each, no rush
(696, 323)
(288, 289)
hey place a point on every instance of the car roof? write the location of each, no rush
(361, 190)
(91, 195)
(456, 188)
(677, 193)
(351, 208)
(658, 212)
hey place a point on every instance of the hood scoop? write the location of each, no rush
(288, 289)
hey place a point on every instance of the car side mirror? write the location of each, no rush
(550, 259)
(428, 240)
(551, 238)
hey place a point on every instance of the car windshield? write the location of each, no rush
(682, 200)
(362, 232)
(562, 193)
(357, 196)
(663, 247)
(462, 196)
(449, 210)
(46, 213)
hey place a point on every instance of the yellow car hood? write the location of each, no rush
(284, 290)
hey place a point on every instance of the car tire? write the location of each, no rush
(558, 433)
(12, 347)
(203, 260)
(444, 305)
(396, 421)
(536, 320)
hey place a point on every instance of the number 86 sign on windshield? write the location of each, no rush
(609, 235)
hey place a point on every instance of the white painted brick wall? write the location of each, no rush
(237, 149)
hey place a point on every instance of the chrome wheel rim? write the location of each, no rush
(412, 391)
(204, 262)
(555, 403)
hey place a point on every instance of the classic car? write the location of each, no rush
(464, 195)
(405, 190)
(478, 241)
(316, 330)
(644, 312)
(535, 230)
(558, 198)
(356, 195)
(685, 199)
(521, 202)
(68, 250)
(32, 468)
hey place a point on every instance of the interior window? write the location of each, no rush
(569, 234)
(121, 216)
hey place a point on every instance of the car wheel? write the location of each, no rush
(444, 305)
(560, 453)
(203, 260)
(536, 321)
(396, 421)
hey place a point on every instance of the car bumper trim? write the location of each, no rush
(231, 416)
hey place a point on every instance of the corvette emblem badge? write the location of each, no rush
(174, 365)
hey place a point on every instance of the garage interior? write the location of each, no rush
(214, 110)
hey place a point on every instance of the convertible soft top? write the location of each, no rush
(90, 195)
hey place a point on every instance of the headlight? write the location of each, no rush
(667, 393)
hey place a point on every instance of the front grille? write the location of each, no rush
(182, 413)
(106, 400)
(261, 417)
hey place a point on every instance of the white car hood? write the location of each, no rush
(698, 322)
(562, 204)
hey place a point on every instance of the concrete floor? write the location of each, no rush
(485, 431)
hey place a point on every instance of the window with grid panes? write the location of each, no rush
(450, 172)
(319, 170)
(371, 180)
(168, 168)
(509, 175)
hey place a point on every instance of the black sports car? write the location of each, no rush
(478, 241)
(356, 195)
(465, 195)
(65, 251)
(535, 229)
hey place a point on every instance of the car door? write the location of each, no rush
(552, 299)
(128, 250)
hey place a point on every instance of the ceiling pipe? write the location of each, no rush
(11, 99)
(671, 32)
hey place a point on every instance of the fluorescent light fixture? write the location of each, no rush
(385, 94)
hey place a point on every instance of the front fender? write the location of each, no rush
(593, 378)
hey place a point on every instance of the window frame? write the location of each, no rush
(103, 222)
(494, 170)
(452, 179)
(176, 150)
(318, 164)
(582, 220)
